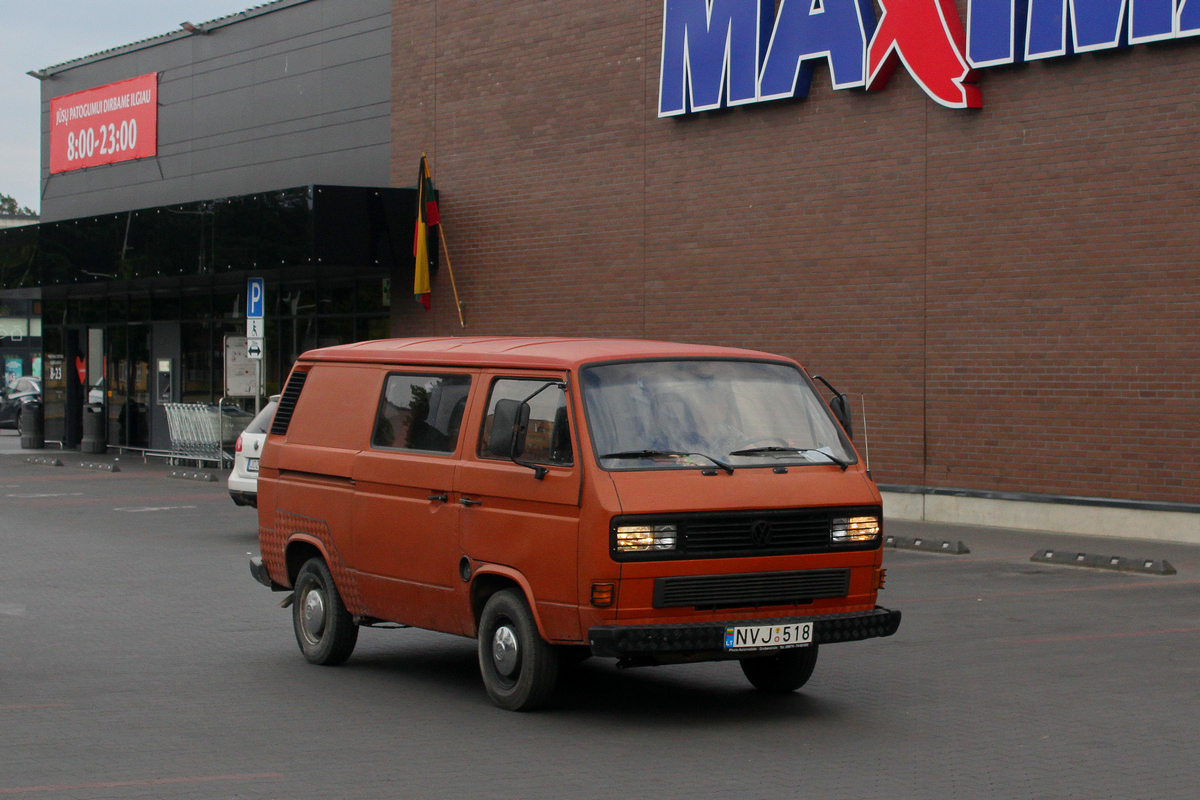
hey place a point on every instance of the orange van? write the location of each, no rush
(652, 502)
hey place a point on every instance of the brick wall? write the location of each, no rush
(1014, 289)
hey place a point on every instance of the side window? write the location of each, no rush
(548, 438)
(421, 412)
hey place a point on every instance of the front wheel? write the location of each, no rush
(325, 630)
(783, 672)
(519, 668)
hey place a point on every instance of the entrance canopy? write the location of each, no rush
(128, 297)
(336, 225)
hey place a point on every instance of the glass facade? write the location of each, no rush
(20, 336)
(135, 308)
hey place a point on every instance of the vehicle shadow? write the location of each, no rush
(441, 664)
(698, 694)
(714, 693)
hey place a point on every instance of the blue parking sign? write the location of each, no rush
(254, 298)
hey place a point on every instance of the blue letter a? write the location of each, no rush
(807, 30)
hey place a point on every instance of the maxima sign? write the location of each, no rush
(720, 53)
(117, 122)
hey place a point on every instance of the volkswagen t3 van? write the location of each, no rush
(650, 502)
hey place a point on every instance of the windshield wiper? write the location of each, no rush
(756, 451)
(652, 453)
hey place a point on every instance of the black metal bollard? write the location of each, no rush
(94, 439)
(32, 425)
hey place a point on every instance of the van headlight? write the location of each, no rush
(640, 538)
(844, 530)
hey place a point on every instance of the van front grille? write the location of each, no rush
(287, 403)
(732, 534)
(716, 535)
(751, 589)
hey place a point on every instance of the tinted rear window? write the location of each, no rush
(263, 421)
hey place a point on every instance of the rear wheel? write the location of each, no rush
(324, 629)
(783, 672)
(519, 668)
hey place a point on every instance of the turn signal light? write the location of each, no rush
(602, 594)
(854, 529)
(880, 575)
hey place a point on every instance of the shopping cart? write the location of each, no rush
(202, 432)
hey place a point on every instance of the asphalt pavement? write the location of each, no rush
(139, 659)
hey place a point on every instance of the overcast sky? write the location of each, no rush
(40, 33)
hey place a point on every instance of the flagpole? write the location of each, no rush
(442, 235)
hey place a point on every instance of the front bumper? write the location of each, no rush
(701, 638)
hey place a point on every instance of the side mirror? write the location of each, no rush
(510, 423)
(841, 410)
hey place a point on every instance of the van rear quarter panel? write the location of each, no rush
(308, 472)
(337, 407)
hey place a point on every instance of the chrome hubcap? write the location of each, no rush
(312, 615)
(505, 654)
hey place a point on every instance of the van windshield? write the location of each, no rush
(686, 414)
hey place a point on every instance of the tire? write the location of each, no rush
(783, 672)
(324, 629)
(519, 669)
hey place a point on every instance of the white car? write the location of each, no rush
(243, 480)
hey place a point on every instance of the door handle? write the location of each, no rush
(466, 501)
(440, 498)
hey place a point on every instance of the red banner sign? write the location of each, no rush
(117, 122)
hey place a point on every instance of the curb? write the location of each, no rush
(1145, 566)
(192, 476)
(100, 466)
(955, 548)
(49, 462)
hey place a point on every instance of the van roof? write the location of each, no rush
(513, 351)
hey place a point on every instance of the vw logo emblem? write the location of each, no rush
(760, 533)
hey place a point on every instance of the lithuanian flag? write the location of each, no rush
(427, 217)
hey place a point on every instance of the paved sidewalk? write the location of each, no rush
(130, 461)
(10, 442)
